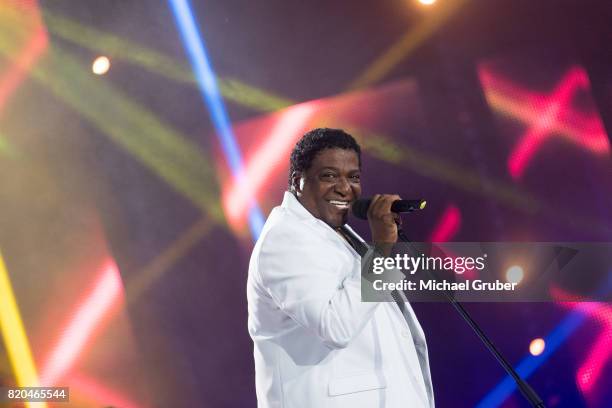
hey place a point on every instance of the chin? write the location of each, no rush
(329, 221)
(337, 222)
(334, 219)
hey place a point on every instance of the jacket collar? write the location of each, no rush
(291, 203)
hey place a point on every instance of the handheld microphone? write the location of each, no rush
(360, 207)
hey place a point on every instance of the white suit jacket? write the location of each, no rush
(316, 345)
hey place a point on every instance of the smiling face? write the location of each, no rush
(330, 186)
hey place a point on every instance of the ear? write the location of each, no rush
(296, 182)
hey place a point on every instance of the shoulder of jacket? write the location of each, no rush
(286, 225)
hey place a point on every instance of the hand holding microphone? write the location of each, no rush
(383, 222)
(382, 212)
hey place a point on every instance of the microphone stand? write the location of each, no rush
(522, 385)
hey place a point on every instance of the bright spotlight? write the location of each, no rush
(514, 274)
(101, 65)
(537, 346)
(427, 2)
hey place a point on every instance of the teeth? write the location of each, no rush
(341, 204)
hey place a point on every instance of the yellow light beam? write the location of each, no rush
(405, 45)
(162, 149)
(174, 158)
(14, 336)
(121, 49)
(154, 270)
(7, 148)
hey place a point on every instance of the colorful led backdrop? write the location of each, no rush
(130, 199)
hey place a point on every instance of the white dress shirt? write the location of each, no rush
(316, 344)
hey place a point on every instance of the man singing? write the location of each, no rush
(315, 343)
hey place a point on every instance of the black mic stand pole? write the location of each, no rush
(522, 385)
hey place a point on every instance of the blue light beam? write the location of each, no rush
(553, 341)
(530, 364)
(209, 89)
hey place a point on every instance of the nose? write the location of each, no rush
(342, 186)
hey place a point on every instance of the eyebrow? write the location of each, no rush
(337, 169)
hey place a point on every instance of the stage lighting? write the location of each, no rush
(514, 274)
(101, 65)
(427, 2)
(537, 346)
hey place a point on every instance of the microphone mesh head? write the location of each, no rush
(360, 208)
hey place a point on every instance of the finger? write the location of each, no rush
(373, 205)
(385, 205)
(378, 208)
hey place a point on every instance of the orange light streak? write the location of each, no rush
(36, 45)
(270, 155)
(99, 393)
(95, 308)
(13, 78)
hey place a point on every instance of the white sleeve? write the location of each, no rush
(313, 283)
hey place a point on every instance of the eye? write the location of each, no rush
(328, 176)
(356, 178)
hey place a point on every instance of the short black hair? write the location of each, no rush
(316, 140)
